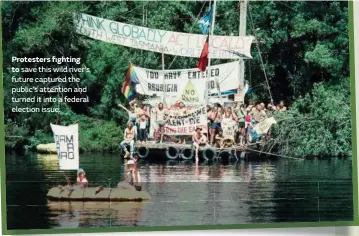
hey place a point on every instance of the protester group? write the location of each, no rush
(244, 117)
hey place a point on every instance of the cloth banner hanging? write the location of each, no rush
(263, 127)
(168, 42)
(181, 124)
(67, 146)
(187, 85)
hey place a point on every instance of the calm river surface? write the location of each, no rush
(259, 190)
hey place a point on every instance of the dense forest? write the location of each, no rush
(304, 46)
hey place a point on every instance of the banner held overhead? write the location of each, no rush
(168, 42)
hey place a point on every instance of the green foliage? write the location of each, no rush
(301, 43)
(319, 124)
(99, 135)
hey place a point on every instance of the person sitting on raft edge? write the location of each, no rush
(198, 139)
(132, 177)
(129, 137)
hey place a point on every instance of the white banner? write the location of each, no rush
(181, 125)
(67, 146)
(264, 126)
(188, 85)
(168, 42)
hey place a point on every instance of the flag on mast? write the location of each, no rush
(203, 60)
(206, 21)
(129, 85)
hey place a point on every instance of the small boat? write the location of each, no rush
(97, 194)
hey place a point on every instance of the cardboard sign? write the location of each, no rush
(239, 97)
(229, 128)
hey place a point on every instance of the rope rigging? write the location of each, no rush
(259, 53)
(194, 24)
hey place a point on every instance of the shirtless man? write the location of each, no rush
(281, 106)
(129, 135)
(198, 139)
(160, 118)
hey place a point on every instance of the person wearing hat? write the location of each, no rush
(199, 139)
(132, 177)
(81, 179)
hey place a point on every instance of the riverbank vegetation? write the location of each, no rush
(304, 46)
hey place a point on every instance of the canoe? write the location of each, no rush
(47, 148)
(93, 194)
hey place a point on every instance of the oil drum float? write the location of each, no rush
(187, 153)
(172, 153)
(225, 154)
(209, 154)
(143, 152)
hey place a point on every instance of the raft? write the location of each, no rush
(93, 194)
(48, 148)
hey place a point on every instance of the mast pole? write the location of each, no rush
(242, 32)
(209, 51)
(164, 82)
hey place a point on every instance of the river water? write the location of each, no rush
(254, 190)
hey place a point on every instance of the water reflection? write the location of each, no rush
(183, 192)
(77, 214)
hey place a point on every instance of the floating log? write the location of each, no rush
(48, 148)
(97, 194)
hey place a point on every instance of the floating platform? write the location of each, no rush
(96, 194)
(174, 151)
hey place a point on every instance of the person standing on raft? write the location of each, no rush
(129, 135)
(132, 177)
(161, 114)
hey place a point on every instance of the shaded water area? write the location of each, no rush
(255, 190)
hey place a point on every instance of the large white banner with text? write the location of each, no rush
(188, 85)
(168, 42)
(67, 146)
(181, 124)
